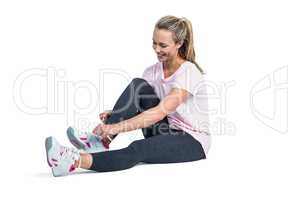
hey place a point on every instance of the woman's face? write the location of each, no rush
(164, 45)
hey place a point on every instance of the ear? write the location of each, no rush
(179, 44)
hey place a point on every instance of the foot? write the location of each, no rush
(88, 142)
(61, 159)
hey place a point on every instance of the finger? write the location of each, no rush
(109, 138)
(95, 130)
(104, 140)
(105, 143)
(98, 131)
(103, 120)
(103, 116)
(100, 135)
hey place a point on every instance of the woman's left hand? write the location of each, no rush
(105, 130)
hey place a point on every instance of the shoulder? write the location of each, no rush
(191, 69)
(151, 70)
(189, 78)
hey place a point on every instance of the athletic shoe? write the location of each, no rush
(60, 158)
(86, 141)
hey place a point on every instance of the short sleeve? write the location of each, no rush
(188, 79)
(148, 75)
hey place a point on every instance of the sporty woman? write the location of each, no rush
(169, 104)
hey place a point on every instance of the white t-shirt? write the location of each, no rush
(192, 115)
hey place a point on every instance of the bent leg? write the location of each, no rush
(138, 96)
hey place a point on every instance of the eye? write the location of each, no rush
(161, 45)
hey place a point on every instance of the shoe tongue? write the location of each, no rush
(93, 140)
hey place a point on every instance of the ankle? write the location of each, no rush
(85, 161)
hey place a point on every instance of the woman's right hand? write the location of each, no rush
(104, 115)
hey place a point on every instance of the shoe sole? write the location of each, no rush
(74, 141)
(48, 145)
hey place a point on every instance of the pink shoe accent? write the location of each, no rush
(88, 144)
(72, 168)
(83, 138)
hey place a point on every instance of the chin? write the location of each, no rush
(162, 59)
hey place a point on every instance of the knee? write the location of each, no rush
(137, 146)
(134, 145)
(138, 81)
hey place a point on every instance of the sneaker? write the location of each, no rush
(60, 158)
(86, 141)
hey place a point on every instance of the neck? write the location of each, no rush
(173, 64)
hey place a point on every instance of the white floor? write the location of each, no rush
(237, 168)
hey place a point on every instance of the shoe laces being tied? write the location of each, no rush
(90, 139)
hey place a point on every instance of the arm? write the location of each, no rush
(153, 115)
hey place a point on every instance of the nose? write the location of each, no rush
(156, 49)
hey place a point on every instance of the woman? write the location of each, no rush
(166, 103)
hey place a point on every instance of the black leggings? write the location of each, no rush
(162, 144)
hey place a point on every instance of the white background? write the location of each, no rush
(255, 152)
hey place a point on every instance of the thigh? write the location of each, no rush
(169, 149)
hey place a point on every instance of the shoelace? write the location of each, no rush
(92, 139)
(65, 152)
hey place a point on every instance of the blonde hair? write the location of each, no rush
(183, 33)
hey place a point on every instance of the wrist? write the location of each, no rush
(115, 128)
